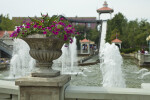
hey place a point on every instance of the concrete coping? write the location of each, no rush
(8, 87)
(76, 91)
(145, 86)
(42, 81)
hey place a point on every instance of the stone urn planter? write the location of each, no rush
(44, 50)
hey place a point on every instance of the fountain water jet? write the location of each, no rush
(73, 53)
(111, 62)
(68, 59)
(21, 63)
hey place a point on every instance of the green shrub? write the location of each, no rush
(128, 50)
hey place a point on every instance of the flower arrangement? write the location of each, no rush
(50, 26)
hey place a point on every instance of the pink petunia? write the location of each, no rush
(39, 26)
(44, 32)
(35, 26)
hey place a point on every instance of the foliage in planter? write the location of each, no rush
(128, 50)
(50, 26)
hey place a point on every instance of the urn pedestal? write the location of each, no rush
(45, 83)
(40, 88)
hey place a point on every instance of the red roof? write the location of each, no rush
(10, 32)
(2, 33)
(116, 41)
(84, 40)
(104, 9)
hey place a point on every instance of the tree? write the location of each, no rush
(1, 21)
(6, 23)
(133, 33)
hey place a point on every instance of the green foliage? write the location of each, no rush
(129, 50)
(132, 33)
(94, 35)
(6, 23)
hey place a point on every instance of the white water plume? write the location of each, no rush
(145, 75)
(21, 63)
(111, 62)
(73, 53)
(68, 59)
(141, 71)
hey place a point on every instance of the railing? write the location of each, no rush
(101, 93)
(6, 48)
(8, 91)
(144, 59)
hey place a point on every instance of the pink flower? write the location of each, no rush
(27, 27)
(52, 26)
(44, 32)
(63, 24)
(35, 26)
(56, 33)
(65, 37)
(39, 26)
(54, 22)
(21, 26)
(43, 28)
(28, 24)
(71, 40)
(61, 18)
(69, 25)
(58, 29)
(49, 28)
(78, 33)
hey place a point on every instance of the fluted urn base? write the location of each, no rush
(45, 72)
(44, 51)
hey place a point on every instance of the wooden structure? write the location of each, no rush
(85, 46)
(117, 42)
(105, 9)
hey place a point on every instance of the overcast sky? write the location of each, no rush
(132, 9)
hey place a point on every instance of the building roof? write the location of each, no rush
(92, 42)
(10, 32)
(116, 41)
(27, 19)
(84, 40)
(105, 9)
(1, 33)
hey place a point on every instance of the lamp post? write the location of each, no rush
(149, 45)
(148, 41)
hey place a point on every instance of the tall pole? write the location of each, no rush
(149, 45)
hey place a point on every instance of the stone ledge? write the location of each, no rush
(4, 96)
(5, 99)
(145, 86)
(8, 87)
(89, 92)
(41, 81)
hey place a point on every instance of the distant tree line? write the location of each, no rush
(6, 24)
(132, 33)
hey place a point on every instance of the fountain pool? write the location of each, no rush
(92, 76)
